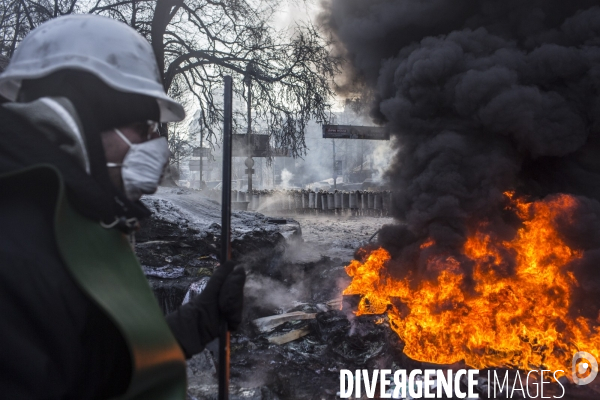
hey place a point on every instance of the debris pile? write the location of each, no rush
(297, 333)
(180, 243)
(295, 337)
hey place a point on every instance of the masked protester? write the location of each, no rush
(78, 148)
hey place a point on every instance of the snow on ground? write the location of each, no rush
(332, 236)
(339, 237)
(188, 207)
(323, 235)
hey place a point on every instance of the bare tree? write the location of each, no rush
(181, 145)
(18, 17)
(197, 42)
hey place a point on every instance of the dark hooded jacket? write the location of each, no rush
(64, 334)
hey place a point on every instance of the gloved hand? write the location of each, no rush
(196, 323)
(231, 298)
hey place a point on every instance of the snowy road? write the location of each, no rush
(330, 236)
(184, 206)
(338, 237)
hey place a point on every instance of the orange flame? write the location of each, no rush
(517, 320)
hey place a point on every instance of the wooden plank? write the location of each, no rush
(267, 324)
(335, 304)
(290, 336)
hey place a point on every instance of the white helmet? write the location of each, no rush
(109, 49)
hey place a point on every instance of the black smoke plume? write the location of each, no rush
(483, 97)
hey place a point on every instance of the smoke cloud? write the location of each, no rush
(482, 97)
(271, 294)
(286, 177)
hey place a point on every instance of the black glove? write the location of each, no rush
(196, 323)
(231, 298)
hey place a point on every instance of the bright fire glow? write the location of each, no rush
(518, 320)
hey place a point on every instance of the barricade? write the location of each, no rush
(338, 202)
(331, 203)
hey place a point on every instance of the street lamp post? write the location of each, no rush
(334, 171)
(249, 161)
(201, 140)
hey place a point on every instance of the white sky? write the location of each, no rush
(290, 13)
(298, 11)
(295, 11)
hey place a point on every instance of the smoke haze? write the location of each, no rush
(482, 97)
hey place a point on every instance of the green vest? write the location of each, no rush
(103, 264)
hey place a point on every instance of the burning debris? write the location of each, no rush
(495, 110)
(518, 308)
(516, 311)
(296, 339)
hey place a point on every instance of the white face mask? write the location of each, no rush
(143, 166)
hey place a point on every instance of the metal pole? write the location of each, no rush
(261, 174)
(201, 140)
(362, 153)
(345, 170)
(334, 175)
(225, 235)
(249, 161)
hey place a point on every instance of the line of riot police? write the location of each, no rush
(337, 202)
